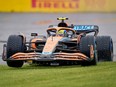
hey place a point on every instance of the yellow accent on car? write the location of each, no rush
(61, 32)
(62, 18)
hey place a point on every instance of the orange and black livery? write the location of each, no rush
(64, 44)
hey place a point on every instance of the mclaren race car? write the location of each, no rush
(64, 44)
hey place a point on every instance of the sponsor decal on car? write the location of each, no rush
(83, 27)
(46, 53)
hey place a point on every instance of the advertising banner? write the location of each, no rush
(57, 6)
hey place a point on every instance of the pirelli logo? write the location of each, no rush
(56, 4)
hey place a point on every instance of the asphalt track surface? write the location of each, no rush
(15, 23)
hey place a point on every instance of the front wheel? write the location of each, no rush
(15, 44)
(15, 63)
(85, 44)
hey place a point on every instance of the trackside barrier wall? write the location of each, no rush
(57, 5)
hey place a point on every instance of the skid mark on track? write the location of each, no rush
(43, 22)
(50, 22)
(107, 20)
(1, 41)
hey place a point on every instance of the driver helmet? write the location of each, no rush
(61, 32)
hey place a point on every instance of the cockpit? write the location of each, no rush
(61, 31)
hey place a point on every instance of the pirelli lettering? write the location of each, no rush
(51, 6)
(67, 4)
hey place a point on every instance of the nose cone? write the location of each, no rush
(50, 45)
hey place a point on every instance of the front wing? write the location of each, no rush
(54, 57)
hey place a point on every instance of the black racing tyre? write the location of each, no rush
(105, 48)
(15, 44)
(15, 63)
(85, 49)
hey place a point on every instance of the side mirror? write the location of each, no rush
(34, 34)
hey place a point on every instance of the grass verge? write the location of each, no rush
(102, 75)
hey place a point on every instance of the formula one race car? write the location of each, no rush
(64, 44)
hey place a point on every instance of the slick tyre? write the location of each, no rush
(15, 44)
(85, 49)
(105, 48)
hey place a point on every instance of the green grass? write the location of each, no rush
(102, 75)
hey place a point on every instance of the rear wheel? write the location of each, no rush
(105, 48)
(85, 44)
(15, 44)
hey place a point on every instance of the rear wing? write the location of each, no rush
(82, 28)
(86, 29)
